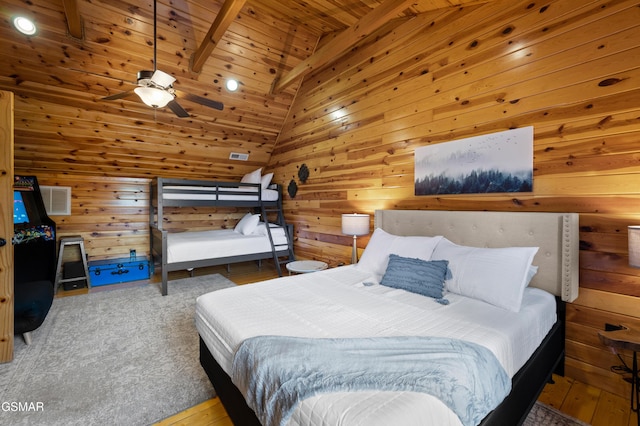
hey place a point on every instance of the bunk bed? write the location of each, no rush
(255, 193)
(335, 306)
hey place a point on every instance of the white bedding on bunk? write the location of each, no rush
(335, 303)
(198, 245)
(209, 193)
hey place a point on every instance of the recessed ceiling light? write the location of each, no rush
(24, 25)
(232, 85)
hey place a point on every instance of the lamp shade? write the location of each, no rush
(355, 224)
(162, 79)
(634, 246)
(153, 96)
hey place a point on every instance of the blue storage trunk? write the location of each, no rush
(114, 271)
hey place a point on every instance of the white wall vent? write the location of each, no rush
(238, 156)
(57, 200)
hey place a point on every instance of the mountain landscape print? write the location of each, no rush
(497, 162)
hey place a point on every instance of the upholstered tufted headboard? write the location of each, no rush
(556, 234)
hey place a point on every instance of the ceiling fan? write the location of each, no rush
(155, 88)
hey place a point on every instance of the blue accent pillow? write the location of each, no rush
(425, 277)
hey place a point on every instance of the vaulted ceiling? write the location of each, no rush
(86, 50)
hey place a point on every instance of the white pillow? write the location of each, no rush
(266, 180)
(376, 255)
(253, 177)
(533, 270)
(494, 275)
(247, 224)
(261, 229)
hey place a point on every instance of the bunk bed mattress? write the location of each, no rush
(198, 245)
(336, 303)
(213, 193)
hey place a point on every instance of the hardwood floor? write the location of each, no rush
(586, 403)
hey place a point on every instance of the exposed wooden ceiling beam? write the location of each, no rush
(225, 17)
(74, 22)
(343, 42)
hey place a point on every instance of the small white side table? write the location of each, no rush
(306, 266)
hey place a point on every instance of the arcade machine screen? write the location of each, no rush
(30, 220)
(20, 214)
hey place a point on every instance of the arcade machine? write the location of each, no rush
(34, 237)
(34, 248)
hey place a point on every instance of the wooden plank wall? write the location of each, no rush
(571, 69)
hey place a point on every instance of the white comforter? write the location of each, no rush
(335, 303)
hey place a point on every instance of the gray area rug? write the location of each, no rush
(125, 356)
(545, 415)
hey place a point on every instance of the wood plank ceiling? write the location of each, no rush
(86, 50)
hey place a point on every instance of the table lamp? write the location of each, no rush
(634, 246)
(355, 224)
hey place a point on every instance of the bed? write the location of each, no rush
(349, 303)
(174, 251)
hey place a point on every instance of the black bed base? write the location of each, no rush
(230, 396)
(527, 384)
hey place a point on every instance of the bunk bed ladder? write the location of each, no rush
(275, 248)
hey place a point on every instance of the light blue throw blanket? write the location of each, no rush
(274, 373)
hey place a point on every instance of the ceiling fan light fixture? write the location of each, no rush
(154, 97)
(155, 88)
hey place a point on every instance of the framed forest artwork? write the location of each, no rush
(497, 162)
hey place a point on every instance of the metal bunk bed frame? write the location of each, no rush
(280, 254)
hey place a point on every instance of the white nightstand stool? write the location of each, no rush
(306, 266)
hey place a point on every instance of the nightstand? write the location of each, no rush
(628, 339)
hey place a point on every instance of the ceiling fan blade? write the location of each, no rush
(177, 109)
(118, 96)
(200, 100)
